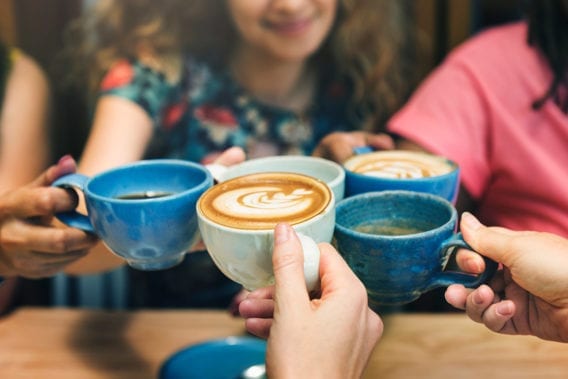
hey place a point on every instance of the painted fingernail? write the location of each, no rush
(65, 158)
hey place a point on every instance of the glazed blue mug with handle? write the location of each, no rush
(399, 243)
(369, 171)
(145, 212)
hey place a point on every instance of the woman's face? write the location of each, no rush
(288, 30)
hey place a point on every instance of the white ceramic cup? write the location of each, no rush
(328, 171)
(244, 254)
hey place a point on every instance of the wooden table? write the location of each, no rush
(58, 343)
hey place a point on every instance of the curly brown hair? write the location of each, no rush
(372, 45)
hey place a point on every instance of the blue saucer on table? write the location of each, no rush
(223, 358)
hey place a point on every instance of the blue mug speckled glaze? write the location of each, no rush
(399, 242)
(369, 171)
(145, 212)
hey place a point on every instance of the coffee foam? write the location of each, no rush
(260, 201)
(399, 164)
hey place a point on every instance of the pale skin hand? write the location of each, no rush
(530, 294)
(30, 244)
(329, 337)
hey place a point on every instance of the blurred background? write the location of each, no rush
(38, 26)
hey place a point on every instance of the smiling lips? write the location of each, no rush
(289, 28)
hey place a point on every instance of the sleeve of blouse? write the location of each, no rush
(448, 115)
(142, 85)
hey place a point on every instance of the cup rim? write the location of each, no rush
(438, 199)
(201, 186)
(305, 158)
(454, 166)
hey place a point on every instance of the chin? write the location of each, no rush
(296, 53)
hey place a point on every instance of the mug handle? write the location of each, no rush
(362, 150)
(217, 171)
(311, 262)
(446, 278)
(74, 218)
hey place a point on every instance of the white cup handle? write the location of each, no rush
(217, 171)
(311, 262)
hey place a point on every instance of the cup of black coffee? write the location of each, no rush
(143, 211)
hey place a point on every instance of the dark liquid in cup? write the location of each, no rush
(144, 195)
(394, 227)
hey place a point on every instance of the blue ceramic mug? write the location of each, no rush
(399, 242)
(145, 212)
(369, 171)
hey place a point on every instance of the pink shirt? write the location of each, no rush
(476, 109)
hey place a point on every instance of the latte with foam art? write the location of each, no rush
(260, 201)
(398, 164)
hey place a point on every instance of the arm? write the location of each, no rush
(24, 124)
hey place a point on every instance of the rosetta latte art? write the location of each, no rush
(397, 168)
(260, 202)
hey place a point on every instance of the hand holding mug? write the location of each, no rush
(529, 295)
(32, 246)
(338, 325)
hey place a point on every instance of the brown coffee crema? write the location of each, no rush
(260, 201)
(399, 165)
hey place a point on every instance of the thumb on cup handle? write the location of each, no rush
(311, 262)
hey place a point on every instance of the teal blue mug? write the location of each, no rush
(145, 212)
(399, 242)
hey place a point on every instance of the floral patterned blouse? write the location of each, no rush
(207, 111)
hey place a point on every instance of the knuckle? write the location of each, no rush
(44, 201)
(59, 241)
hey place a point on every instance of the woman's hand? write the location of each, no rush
(30, 243)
